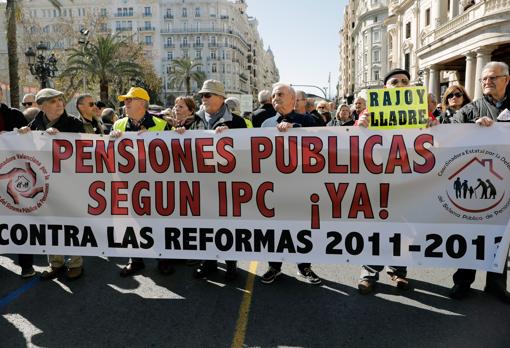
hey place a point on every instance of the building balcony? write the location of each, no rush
(124, 29)
(198, 45)
(169, 45)
(147, 14)
(474, 18)
(185, 45)
(129, 14)
(168, 16)
(146, 29)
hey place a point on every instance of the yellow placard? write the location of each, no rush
(397, 108)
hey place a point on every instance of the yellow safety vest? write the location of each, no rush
(122, 124)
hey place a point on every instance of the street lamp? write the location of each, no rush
(83, 42)
(41, 67)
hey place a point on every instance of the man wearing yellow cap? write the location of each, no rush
(136, 103)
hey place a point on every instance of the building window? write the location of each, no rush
(376, 74)
(103, 12)
(147, 25)
(184, 12)
(213, 54)
(197, 12)
(427, 17)
(170, 55)
(376, 36)
(198, 40)
(169, 14)
(408, 30)
(148, 40)
(147, 11)
(407, 61)
(185, 54)
(213, 68)
(376, 56)
(198, 54)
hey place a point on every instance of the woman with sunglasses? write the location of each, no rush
(454, 98)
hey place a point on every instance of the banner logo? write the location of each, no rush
(23, 183)
(475, 185)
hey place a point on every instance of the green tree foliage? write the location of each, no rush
(13, 13)
(103, 61)
(183, 72)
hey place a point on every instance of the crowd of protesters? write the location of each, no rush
(283, 108)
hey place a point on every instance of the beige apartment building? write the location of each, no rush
(219, 34)
(443, 42)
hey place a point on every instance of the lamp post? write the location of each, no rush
(83, 42)
(41, 67)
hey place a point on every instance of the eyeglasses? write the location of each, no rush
(456, 94)
(91, 104)
(27, 104)
(207, 95)
(395, 82)
(490, 78)
(321, 107)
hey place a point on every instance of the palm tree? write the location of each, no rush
(103, 61)
(13, 12)
(184, 72)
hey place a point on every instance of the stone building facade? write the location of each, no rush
(218, 34)
(440, 42)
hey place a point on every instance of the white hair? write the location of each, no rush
(265, 96)
(286, 86)
(493, 65)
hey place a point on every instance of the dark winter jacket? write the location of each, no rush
(11, 118)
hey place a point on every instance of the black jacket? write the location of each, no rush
(198, 122)
(65, 123)
(261, 114)
(11, 118)
(481, 107)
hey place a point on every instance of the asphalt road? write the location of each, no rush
(102, 309)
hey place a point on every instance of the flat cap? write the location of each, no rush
(396, 72)
(45, 94)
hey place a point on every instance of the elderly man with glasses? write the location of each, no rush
(484, 111)
(53, 119)
(138, 119)
(214, 115)
(28, 101)
(88, 110)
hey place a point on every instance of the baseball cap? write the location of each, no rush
(135, 92)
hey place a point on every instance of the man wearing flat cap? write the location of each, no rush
(215, 115)
(136, 103)
(53, 119)
(396, 78)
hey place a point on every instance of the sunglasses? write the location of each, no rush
(207, 95)
(91, 104)
(395, 82)
(27, 104)
(456, 94)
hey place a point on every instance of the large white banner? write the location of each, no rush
(426, 197)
